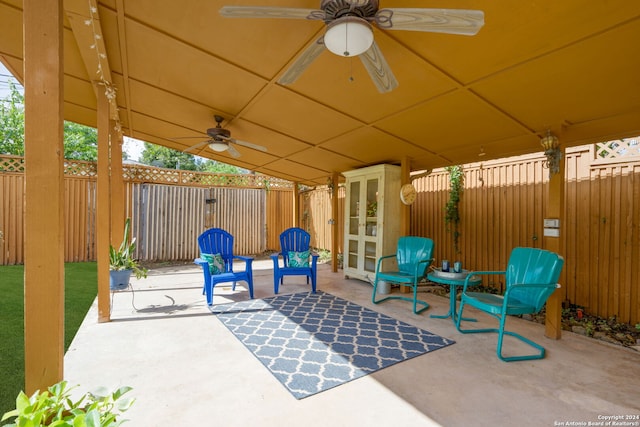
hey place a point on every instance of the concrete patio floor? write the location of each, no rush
(187, 369)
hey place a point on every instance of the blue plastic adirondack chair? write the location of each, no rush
(216, 241)
(297, 258)
(531, 277)
(414, 255)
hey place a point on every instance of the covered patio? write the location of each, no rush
(186, 368)
(160, 71)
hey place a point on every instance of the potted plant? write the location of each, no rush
(56, 407)
(372, 209)
(122, 263)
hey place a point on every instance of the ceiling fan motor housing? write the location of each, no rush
(215, 132)
(334, 9)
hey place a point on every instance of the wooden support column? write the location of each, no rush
(554, 208)
(405, 210)
(335, 231)
(44, 195)
(103, 209)
(296, 203)
(117, 185)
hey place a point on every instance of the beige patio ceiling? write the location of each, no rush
(571, 66)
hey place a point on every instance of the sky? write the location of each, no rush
(131, 146)
(5, 75)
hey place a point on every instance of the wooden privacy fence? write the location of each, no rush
(502, 207)
(279, 214)
(169, 209)
(168, 219)
(315, 216)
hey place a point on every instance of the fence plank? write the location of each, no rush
(279, 216)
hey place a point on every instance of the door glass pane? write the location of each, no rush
(352, 256)
(372, 198)
(372, 227)
(370, 256)
(354, 208)
(354, 199)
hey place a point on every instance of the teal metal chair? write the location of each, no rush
(413, 255)
(531, 277)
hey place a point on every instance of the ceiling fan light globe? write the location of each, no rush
(348, 36)
(218, 146)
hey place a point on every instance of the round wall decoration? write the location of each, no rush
(408, 194)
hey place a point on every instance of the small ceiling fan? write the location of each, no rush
(349, 31)
(220, 140)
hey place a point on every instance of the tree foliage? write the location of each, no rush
(12, 122)
(163, 157)
(80, 142)
(156, 155)
(215, 166)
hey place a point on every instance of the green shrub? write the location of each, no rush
(55, 407)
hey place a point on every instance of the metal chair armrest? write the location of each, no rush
(380, 261)
(478, 273)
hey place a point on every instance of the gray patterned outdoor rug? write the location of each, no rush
(314, 342)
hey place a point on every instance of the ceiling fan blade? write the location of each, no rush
(449, 21)
(232, 151)
(249, 145)
(199, 144)
(270, 12)
(303, 61)
(379, 69)
(243, 143)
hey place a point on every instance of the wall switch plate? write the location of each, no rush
(552, 222)
(552, 232)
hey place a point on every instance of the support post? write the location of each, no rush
(117, 185)
(44, 195)
(296, 203)
(405, 210)
(335, 231)
(554, 208)
(103, 207)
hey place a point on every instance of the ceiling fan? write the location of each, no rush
(349, 31)
(220, 140)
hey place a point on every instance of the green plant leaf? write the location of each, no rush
(92, 419)
(122, 258)
(452, 214)
(55, 408)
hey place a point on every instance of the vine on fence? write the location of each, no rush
(451, 211)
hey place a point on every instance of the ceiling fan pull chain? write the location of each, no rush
(351, 79)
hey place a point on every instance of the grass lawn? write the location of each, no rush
(81, 288)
